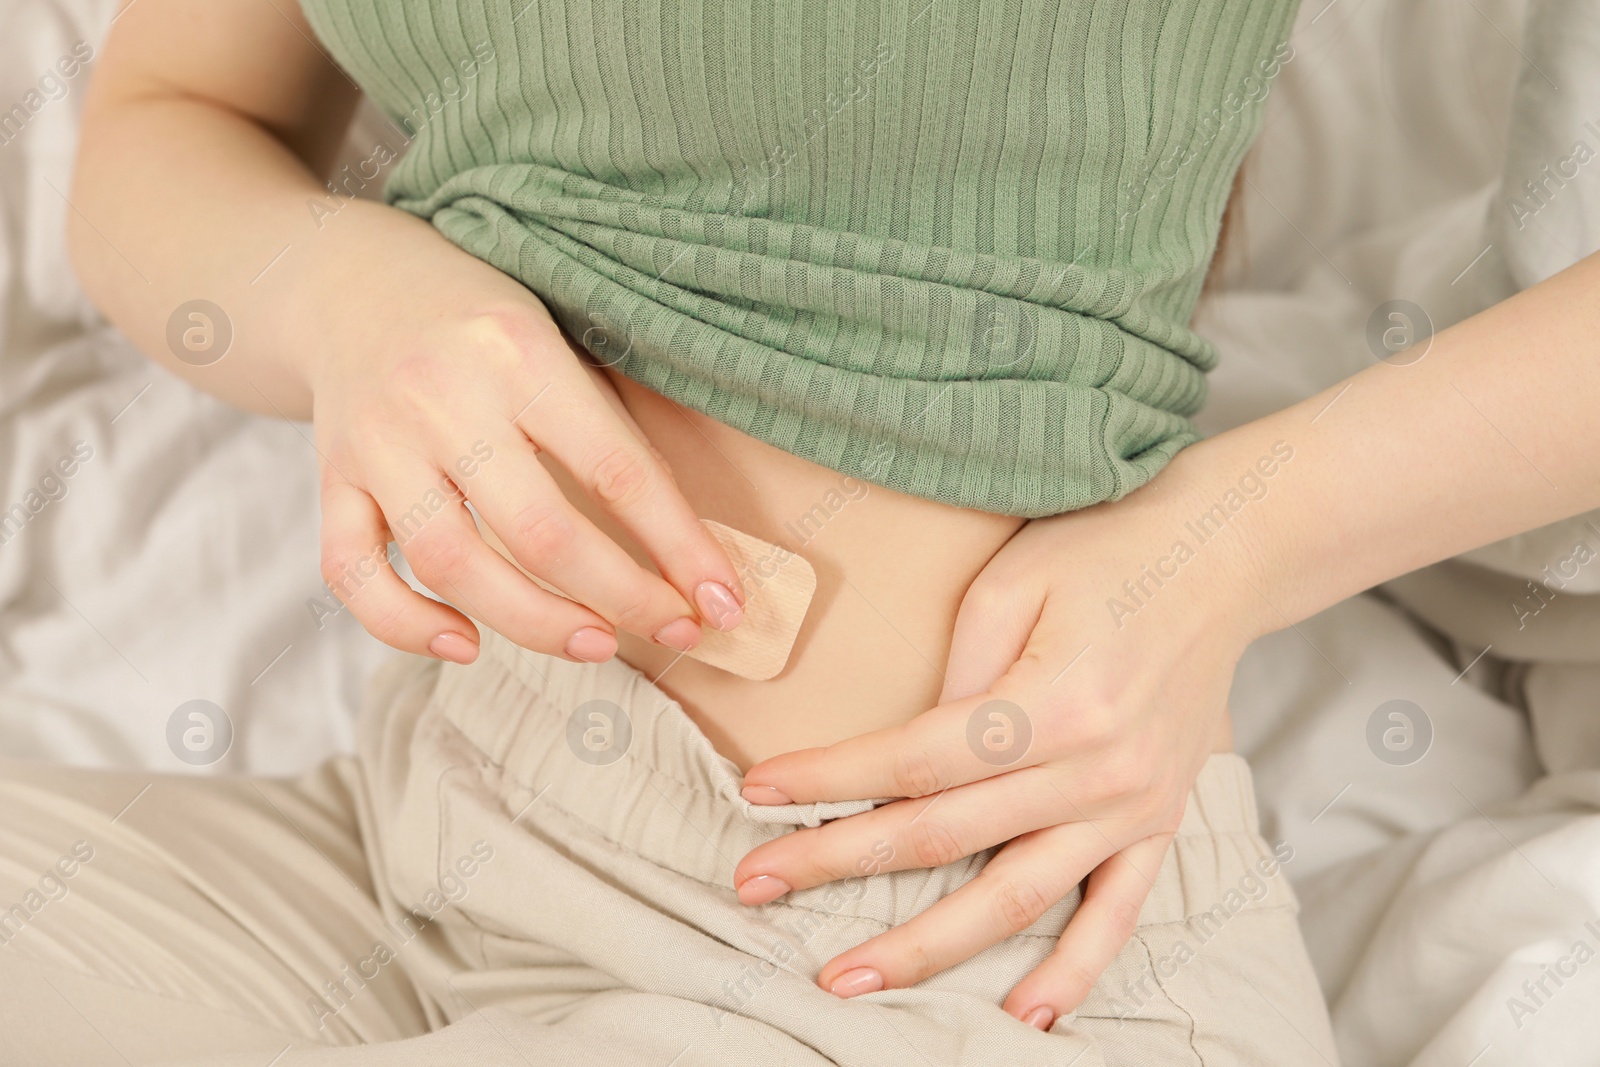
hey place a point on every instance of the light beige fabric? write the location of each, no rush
(1523, 619)
(529, 862)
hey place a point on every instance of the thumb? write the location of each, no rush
(993, 626)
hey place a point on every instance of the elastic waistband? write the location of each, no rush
(602, 745)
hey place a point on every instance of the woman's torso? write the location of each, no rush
(891, 572)
(962, 239)
(948, 247)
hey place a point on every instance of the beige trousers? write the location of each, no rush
(529, 862)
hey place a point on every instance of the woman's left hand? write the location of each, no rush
(1087, 684)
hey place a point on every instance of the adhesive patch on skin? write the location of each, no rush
(778, 587)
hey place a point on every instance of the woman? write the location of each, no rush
(935, 262)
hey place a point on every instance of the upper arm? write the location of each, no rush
(256, 58)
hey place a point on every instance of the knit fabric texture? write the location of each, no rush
(948, 247)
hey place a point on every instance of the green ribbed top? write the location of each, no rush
(950, 247)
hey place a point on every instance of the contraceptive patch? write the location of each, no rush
(778, 587)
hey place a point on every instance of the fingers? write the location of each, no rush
(1023, 881)
(448, 556)
(929, 832)
(992, 628)
(550, 538)
(355, 566)
(609, 459)
(395, 422)
(964, 741)
(1097, 932)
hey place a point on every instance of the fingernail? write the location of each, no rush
(853, 983)
(591, 645)
(1040, 1018)
(717, 605)
(762, 889)
(453, 647)
(764, 794)
(680, 634)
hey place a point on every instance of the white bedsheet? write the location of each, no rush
(1430, 892)
(179, 562)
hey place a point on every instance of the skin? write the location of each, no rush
(205, 129)
(1487, 434)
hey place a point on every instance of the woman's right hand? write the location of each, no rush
(437, 381)
(432, 378)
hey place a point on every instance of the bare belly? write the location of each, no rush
(891, 572)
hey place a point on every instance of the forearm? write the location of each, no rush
(1490, 433)
(177, 200)
(206, 133)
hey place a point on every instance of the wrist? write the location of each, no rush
(321, 294)
(352, 285)
(1224, 503)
